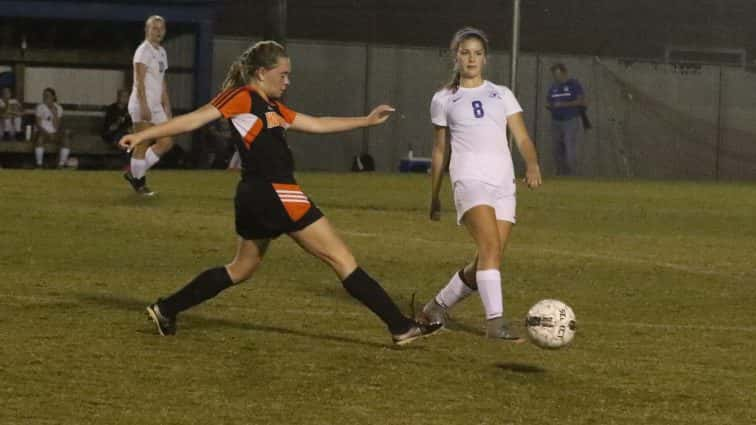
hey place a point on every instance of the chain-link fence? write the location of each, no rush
(650, 120)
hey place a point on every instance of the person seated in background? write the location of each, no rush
(215, 146)
(11, 113)
(117, 119)
(48, 128)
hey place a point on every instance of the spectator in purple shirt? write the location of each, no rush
(566, 103)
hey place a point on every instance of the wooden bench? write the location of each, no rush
(86, 144)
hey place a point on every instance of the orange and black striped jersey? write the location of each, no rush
(260, 133)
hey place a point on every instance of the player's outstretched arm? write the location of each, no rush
(438, 164)
(178, 125)
(309, 124)
(527, 149)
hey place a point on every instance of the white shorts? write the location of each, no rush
(157, 111)
(472, 193)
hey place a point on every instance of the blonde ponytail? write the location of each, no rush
(264, 54)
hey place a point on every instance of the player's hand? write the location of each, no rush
(129, 141)
(533, 177)
(146, 115)
(380, 114)
(435, 209)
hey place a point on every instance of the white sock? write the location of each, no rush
(64, 155)
(39, 154)
(454, 292)
(138, 168)
(17, 123)
(489, 287)
(150, 158)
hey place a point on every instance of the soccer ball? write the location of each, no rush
(550, 324)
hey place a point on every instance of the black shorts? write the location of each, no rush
(267, 210)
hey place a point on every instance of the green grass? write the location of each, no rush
(662, 277)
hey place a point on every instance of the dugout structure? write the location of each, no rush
(198, 14)
(84, 49)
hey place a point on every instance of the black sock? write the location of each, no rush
(361, 286)
(205, 286)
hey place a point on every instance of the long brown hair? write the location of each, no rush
(263, 54)
(461, 36)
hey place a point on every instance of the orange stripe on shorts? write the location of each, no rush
(294, 200)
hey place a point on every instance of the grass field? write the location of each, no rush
(662, 277)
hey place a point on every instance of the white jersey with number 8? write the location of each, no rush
(477, 122)
(155, 61)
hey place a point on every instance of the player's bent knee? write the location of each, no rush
(240, 271)
(341, 262)
(346, 263)
(489, 254)
(328, 257)
(240, 276)
(488, 250)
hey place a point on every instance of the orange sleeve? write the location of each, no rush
(286, 113)
(232, 102)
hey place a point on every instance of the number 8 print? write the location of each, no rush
(478, 109)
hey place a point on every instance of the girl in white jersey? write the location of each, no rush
(475, 114)
(149, 103)
(48, 129)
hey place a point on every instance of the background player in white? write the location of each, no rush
(474, 114)
(149, 103)
(48, 128)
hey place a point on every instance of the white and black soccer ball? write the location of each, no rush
(550, 324)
